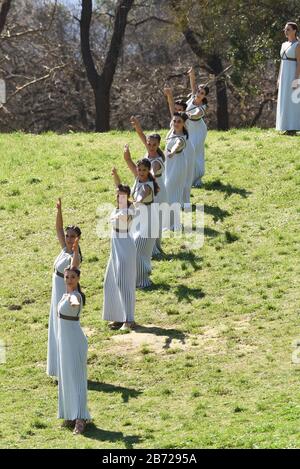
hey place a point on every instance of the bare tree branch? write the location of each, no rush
(33, 82)
(151, 18)
(32, 31)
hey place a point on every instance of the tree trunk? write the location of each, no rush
(102, 103)
(101, 83)
(215, 63)
(3, 13)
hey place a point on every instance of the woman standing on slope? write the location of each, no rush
(120, 276)
(67, 255)
(72, 354)
(157, 159)
(196, 107)
(145, 227)
(288, 104)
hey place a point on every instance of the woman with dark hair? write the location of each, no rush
(66, 239)
(176, 163)
(72, 350)
(120, 276)
(288, 105)
(157, 159)
(196, 108)
(145, 228)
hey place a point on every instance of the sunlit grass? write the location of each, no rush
(219, 372)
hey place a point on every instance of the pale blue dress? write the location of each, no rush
(175, 178)
(62, 261)
(145, 230)
(160, 198)
(197, 129)
(120, 276)
(72, 362)
(288, 112)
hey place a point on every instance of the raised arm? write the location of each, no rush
(76, 256)
(169, 95)
(59, 225)
(116, 177)
(191, 74)
(130, 163)
(137, 126)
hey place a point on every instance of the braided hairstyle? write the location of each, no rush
(145, 162)
(78, 233)
(77, 271)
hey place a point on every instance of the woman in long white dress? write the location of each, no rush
(66, 256)
(176, 166)
(157, 159)
(120, 276)
(195, 142)
(196, 108)
(288, 102)
(72, 355)
(145, 228)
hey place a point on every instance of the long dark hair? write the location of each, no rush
(184, 117)
(181, 102)
(206, 89)
(77, 271)
(145, 162)
(78, 233)
(159, 150)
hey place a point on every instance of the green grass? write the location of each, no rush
(224, 316)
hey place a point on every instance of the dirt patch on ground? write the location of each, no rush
(157, 340)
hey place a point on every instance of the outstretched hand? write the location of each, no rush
(191, 71)
(134, 122)
(126, 153)
(167, 91)
(58, 204)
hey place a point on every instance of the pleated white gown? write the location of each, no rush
(63, 261)
(120, 276)
(197, 133)
(175, 175)
(72, 363)
(160, 198)
(144, 233)
(288, 112)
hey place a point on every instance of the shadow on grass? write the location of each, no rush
(210, 232)
(159, 331)
(216, 212)
(187, 256)
(185, 293)
(217, 185)
(110, 388)
(99, 434)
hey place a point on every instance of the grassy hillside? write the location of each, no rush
(212, 365)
